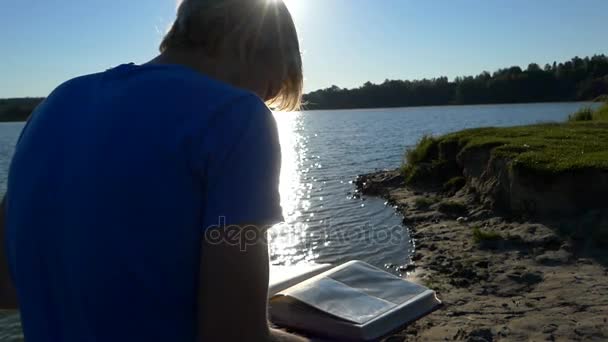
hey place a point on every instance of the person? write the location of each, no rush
(126, 187)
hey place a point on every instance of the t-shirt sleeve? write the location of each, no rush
(243, 161)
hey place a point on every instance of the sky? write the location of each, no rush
(344, 42)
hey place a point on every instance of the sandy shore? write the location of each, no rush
(521, 282)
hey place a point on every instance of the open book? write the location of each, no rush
(354, 301)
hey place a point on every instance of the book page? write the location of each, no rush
(340, 300)
(377, 283)
(284, 277)
(355, 292)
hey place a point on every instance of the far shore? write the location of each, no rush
(25, 110)
(589, 102)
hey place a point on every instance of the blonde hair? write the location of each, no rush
(253, 31)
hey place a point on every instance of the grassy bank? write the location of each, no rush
(542, 171)
(581, 143)
(589, 114)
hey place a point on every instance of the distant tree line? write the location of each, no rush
(17, 109)
(578, 79)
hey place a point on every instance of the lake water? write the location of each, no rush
(323, 151)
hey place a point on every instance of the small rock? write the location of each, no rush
(585, 261)
(395, 339)
(547, 329)
(482, 264)
(567, 246)
(554, 258)
(525, 278)
(407, 268)
(481, 335)
(460, 282)
(417, 235)
(515, 283)
(462, 219)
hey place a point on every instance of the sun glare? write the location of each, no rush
(291, 4)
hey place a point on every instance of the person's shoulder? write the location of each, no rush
(246, 102)
(241, 114)
(80, 83)
(69, 93)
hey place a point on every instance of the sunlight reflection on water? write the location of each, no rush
(287, 238)
(323, 223)
(323, 151)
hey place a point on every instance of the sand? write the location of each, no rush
(530, 284)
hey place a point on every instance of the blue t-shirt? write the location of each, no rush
(113, 183)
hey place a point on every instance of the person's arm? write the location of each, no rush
(8, 295)
(233, 292)
(241, 167)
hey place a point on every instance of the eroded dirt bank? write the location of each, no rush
(500, 278)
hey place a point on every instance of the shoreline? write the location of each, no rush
(524, 283)
(590, 102)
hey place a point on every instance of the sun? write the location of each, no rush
(295, 7)
(291, 4)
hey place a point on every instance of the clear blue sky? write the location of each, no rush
(345, 42)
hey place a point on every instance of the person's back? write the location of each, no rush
(108, 199)
(119, 177)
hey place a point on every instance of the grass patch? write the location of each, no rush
(452, 207)
(543, 149)
(583, 114)
(455, 183)
(480, 236)
(601, 114)
(422, 151)
(425, 202)
(419, 159)
(427, 162)
(588, 114)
